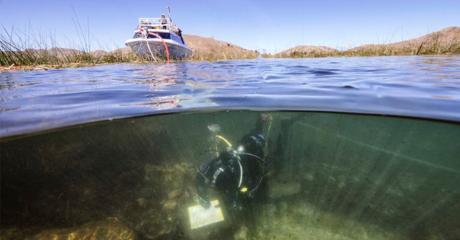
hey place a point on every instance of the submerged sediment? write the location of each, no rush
(331, 176)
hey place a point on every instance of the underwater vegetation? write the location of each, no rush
(330, 176)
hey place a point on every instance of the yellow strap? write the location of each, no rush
(225, 140)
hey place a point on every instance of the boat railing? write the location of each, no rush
(157, 23)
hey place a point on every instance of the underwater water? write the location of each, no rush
(331, 176)
(355, 148)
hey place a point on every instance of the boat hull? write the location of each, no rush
(145, 48)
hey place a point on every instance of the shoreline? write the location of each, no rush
(16, 56)
(46, 67)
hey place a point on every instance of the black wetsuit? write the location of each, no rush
(179, 32)
(235, 175)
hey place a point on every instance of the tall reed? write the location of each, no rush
(23, 49)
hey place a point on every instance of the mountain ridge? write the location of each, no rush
(444, 41)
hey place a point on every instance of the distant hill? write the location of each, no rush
(205, 48)
(445, 41)
(308, 51)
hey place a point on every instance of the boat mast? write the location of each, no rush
(169, 14)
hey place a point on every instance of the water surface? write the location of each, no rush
(357, 148)
(408, 86)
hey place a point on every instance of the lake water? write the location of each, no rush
(355, 148)
(406, 86)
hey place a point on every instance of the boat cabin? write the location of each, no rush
(162, 27)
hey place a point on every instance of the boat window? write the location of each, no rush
(176, 38)
(137, 35)
(162, 35)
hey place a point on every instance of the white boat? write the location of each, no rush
(158, 38)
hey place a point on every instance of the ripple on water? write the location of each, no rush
(411, 86)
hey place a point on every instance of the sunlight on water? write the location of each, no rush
(406, 86)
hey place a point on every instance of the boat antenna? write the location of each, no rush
(169, 14)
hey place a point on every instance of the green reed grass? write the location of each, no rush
(222, 55)
(27, 49)
(24, 49)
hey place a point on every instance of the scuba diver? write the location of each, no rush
(235, 174)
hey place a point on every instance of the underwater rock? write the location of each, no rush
(297, 219)
(174, 194)
(215, 128)
(169, 205)
(309, 176)
(156, 213)
(13, 233)
(141, 202)
(241, 234)
(270, 210)
(282, 189)
(111, 228)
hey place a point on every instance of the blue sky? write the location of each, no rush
(256, 24)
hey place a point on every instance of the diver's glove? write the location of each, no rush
(204, 202)
(202, 183)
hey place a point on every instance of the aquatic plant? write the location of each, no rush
(43, 51)
(16, 50)
(24, 49)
